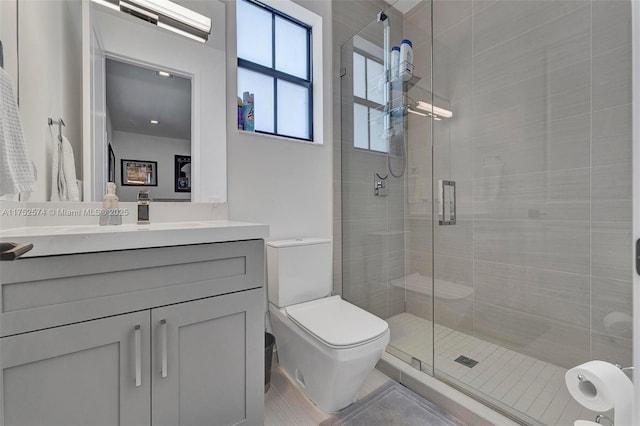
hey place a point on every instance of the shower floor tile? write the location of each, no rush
(505, 378)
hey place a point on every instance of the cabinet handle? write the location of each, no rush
(138, 350)
(163, 325)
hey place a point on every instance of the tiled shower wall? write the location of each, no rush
(540, 149)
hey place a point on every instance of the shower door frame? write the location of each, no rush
(635, 40)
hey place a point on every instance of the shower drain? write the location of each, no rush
(466, 361)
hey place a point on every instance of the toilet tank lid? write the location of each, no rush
(298, 242)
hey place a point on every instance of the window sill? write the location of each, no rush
(277, 137)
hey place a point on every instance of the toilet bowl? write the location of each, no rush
(325, 344)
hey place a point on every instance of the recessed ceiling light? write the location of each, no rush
(154, 121)
(164, 74)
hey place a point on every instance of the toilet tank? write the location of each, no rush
(298, 270)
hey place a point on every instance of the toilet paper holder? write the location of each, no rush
(601, 417)
(627, 370)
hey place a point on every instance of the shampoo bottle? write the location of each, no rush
(406, 60)
(395, 62)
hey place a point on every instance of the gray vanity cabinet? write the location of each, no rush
(80, 374)
(202, 370)
(183, 346)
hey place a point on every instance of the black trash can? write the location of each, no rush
(269, 343)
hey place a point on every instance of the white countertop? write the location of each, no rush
(56, 240)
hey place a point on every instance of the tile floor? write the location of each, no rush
(505, 378)
(286, 405)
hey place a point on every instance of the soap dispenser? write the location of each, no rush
(110, 213)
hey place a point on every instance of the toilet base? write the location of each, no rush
(329, 376)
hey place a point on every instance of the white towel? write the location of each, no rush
(64, 186)
(17, 173)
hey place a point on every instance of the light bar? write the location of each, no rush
(165, 14)
(176, 12)
(413, 111)
(440, 112)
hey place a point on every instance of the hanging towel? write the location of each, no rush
(64, 186)
(17, 173)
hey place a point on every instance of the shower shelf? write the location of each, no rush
(398, 83)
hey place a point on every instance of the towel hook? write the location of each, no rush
(60, 123)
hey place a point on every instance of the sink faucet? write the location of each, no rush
(143, 207)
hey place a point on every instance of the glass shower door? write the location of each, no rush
(536, 267)
(386, 196)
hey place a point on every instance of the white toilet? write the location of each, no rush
(326, 344)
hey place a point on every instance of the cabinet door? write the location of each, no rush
(208, 361)
(82, 374)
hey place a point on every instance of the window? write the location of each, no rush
(275, 64)
(368, 103)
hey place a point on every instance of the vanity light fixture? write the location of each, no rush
(165, 14)
(436, 111)
(154, 121)
(164, 74)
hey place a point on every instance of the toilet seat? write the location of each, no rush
(337, 323)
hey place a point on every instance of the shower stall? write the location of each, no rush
(486, 206)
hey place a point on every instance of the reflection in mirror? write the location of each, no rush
(146, 133)
(189, 106)
(55, 53)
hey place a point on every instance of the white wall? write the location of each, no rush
(132, 146)
(50, 60)
(283, 183)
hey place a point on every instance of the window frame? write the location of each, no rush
(280, 75)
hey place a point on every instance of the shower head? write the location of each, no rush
(382, 16)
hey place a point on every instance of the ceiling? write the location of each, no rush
(136, 95)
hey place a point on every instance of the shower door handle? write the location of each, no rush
(447, 202)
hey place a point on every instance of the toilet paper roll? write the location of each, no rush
(601, 386)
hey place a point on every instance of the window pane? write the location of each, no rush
(359, 78)
(375, 81)
(360, 126)
(378, 140)
(254, 33)
(291, 48)
(262, 88)
(293, 110)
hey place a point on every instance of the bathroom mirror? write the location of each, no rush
(144, 134)
(63, 49)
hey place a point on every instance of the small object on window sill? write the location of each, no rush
(248, 112)
(240, 114)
